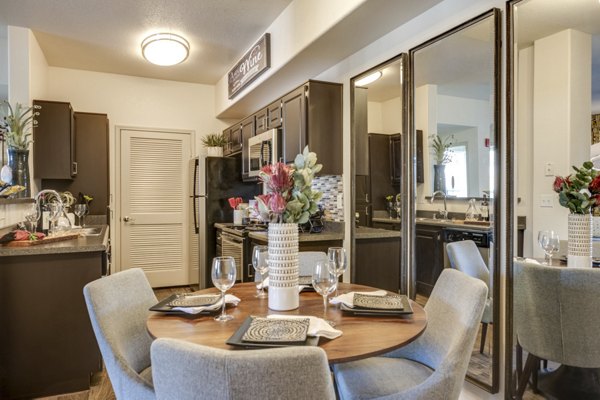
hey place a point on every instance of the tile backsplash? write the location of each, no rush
(333, 191)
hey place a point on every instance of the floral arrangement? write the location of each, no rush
(580, 191)
(441, 148)
(16, 124)
(290, 198)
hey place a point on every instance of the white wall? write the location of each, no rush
(26, 75)
(561, 118)
(3, 66)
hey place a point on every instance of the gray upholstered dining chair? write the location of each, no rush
(435, 364)
(308, 259)
(186, 371)
(464, 256)
(556, 316)
(118, 308)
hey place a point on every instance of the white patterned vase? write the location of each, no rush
(283, 267)
(580, 241)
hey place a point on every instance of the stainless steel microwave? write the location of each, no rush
(263, 150)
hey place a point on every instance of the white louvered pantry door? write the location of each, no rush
(154, 205)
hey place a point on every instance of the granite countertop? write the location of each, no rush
(386, 220)
(79, 245)
(324, 236)
(364, 232)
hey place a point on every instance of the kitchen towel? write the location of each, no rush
(229, 299)
(317, 327)
(348, 298)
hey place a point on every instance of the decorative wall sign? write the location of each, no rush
(256, 61)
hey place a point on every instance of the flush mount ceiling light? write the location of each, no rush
(165, 49)
(368, 79)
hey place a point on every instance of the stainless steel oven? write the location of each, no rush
(232, 245)
(263, 149)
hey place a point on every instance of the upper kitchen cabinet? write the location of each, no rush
(92, 150)
(274, 117)
(54, 141)
(396, 158)
(312, 115)
(261, 119)
(248, 129)
(233, 134)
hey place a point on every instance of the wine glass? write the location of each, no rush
(32, 215)
(550, 243)
(54, 210)
(80, 210)
(324, 280)
(261, 266)
(223, 277)
(337, 262)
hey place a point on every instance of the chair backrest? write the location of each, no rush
(556, 313)
(308, 259)
(118, 308)
(465, 257)
(454, 311)
(187, 371)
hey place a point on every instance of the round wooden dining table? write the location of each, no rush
(363, 336)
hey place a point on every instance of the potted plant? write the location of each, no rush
(440, 147)
(15, 124)
(214, 143)
(580, 193)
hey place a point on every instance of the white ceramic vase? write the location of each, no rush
(214, 151)
(283, 267)
(580, 241)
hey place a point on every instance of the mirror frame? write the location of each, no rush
(403, 58)
(498, 193)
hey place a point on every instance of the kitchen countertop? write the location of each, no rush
(455, 224)
(363, 232)
(324, 236)
(386, 220)
(79, 245)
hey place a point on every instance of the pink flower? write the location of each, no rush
(277, 203)
(558, 182)
(278, 177)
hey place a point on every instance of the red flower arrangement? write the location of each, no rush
(580, 191)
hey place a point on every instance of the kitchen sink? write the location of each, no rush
(91, 231)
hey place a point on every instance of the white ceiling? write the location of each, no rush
(105, 35)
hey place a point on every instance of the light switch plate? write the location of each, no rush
(549, 169)
(340, 200)
(547, 200)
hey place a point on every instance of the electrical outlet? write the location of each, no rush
(340, 200)
(546, 200)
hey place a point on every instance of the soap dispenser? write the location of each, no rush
(472, 213)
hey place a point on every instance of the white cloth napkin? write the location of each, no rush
(266, 285)
(317, 326)
(229, 299)
(348, 298)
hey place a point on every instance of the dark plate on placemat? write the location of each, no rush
(237, 339)
(406, 309)
(388, 302)
(163, 306)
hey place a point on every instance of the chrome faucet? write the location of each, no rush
(443, 214)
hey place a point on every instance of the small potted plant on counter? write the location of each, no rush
(440, 147)
(214, 143)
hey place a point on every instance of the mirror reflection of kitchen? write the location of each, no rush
(454, 109)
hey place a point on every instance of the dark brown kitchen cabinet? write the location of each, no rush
(261, 120)
(247, 130)
(233, 135)
(54, 141)
(420, 175)
(429, 256)
(396, 158)
(312, 115)
(379, 171)
(274, 117)
(92, 147)
(47, 346)
(378, 263)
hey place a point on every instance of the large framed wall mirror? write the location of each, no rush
(378, 112)
(454, 109)
(553, 86)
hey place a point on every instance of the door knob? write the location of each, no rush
(128, 219)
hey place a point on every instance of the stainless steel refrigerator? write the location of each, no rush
(215, 179)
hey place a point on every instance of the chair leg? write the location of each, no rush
(519, 360)
(484, 327)
(530, 364)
